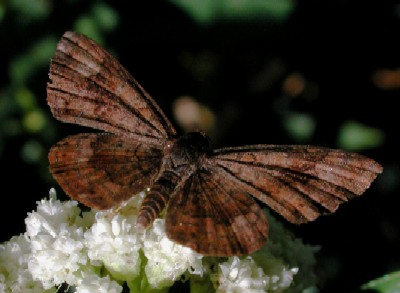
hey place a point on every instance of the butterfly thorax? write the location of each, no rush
(189, 149)
(182, 157)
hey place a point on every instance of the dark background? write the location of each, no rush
(290, 72)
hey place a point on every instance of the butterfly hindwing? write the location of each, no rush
(102, 170)
(299, 182)
(214, 217)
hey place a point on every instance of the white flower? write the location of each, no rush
(283, 264)
(166, 260)
(244, 275)
(14, 273)
(113, 242)
(241, 275)
(91, 282)
(56, 239)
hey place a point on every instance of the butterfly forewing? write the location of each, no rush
(102, 170)
(213, 216)
(89, 87)
(299, 182)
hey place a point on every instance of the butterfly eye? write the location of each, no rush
(168, 147)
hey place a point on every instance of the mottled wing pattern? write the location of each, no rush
(214, 217)
(102, 170)
(298, 182)
(91, 88)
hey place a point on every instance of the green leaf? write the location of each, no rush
(389, 283)
(30, 10)
(87, 25)
(32, 151)
(25, 99)
(205, 12)
(200, 284)
(356, 136)
(140, 284)
(34, 121)
(300, 126)
(99, 19)
(25, 65)
(105, 16)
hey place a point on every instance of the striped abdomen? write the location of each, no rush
(157, 198)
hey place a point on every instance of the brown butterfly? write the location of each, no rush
(208, 192)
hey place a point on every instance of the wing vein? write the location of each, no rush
(102, 88)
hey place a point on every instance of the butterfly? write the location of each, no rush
(210, 195)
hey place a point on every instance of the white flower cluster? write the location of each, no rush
(284, 264)
(166, 260)
(244, 275)
(14, 273)
(98, 251)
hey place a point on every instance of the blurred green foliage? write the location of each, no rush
(30, 10)
(100, 18)
(300, 126)
(389, 283)
(355, 136)
(20, 112)
(35, 57)
(206, 12)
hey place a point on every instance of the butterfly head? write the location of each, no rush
(195, 142)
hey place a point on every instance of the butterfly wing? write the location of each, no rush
(91, 88)
(298, 182)
(210, 214)
(102, 170)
